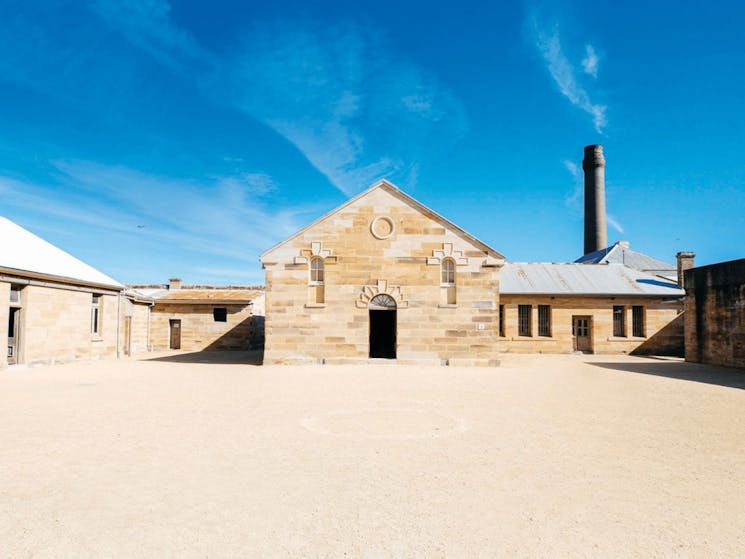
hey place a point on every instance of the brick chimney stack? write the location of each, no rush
(685, 262)
(174, 283)
(596, 234)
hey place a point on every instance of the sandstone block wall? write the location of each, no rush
(139, 316)
(658, 314)
(715, 314)
(402, 260)
(56, 326)
(199, 331)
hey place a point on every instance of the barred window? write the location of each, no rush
(95, 314)
(544, 320)
(316, 270)
(637, 321)
(448, 272)
(619, 321)
(524, 320)
(501, 321)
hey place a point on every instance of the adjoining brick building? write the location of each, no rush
(715, 314)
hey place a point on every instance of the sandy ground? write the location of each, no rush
(199, 456)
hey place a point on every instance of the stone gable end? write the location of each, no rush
(381, 243)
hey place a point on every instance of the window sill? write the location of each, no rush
(315, 305)
(447, 306)
(96, 338)
(316, 283)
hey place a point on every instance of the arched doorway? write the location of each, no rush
(383, 327)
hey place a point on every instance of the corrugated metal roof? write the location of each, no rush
(622, 254)
(23, 252)
(581, 279)
(207, 296)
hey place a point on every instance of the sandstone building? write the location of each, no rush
(204, 317)
(382, 276)
(56, 307)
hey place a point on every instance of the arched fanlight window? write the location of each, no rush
(448, 272)
(383, 301)
(316, 270)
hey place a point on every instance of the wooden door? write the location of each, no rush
(581, 334)
(175, 334)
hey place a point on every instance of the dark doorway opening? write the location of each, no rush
(383, 334)
(13, 335)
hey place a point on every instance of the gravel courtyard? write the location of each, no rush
(202, 455)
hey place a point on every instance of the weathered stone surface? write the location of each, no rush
(403, 261)
(715, 314)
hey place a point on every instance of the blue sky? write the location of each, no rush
(158, 139)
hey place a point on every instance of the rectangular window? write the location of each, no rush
(15, 293)
(637, 321)
(619, 321)
(544, 320)
(501, 321)
(524, 320)
(220, 314)
(96, 314)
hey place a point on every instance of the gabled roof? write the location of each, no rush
(398, 193)
(540, 278)
(620, 253)
(24, 254)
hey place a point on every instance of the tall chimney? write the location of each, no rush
(685, 262)
(596, 236)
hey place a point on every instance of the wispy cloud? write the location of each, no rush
(221, 221)
(613, 222)
(564, 74)
(576, 173)
(351, 105)
(590, 61)
(147, 24)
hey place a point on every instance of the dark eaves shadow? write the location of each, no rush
(696, 372)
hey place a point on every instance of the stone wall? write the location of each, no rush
(139, 317)
(56, 326)
(200, 331)
(380, 244)
(658, 315)
(715, 314)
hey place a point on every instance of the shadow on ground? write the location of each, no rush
(709, 374)
(253, 357)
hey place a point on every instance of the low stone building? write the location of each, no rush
(204, 317)
(382, 276)
(592, 308)
(715, 314)
(56, 307)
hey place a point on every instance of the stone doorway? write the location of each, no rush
(383, 327)
(14, 334)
